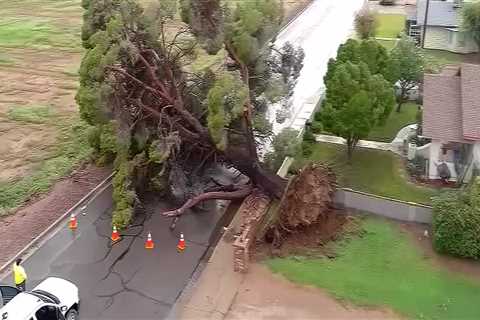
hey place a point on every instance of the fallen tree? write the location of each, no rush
(163, 123)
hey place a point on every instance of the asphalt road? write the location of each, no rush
(124, 281)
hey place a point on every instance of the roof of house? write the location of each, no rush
(440, 13)
(451, 104)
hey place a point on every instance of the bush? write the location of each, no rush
(456, 222)
(416, 167)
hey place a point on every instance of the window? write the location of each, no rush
(47, 313)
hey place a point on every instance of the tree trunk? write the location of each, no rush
(401, 99)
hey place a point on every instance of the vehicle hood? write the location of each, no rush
(65, 291)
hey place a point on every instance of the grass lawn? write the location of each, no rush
(72, 149)
(373, 171)
(390, 25)
(440, 58)
(395, 122)
(383, 268)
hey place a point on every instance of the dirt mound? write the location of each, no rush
(312, 239)
(309, 197)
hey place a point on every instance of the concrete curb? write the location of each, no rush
(38, 239)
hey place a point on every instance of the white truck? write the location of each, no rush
(52, 299)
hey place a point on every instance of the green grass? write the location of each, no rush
(72, 148)
(395, 122)
(37, 33)
(390, 25)
(383, 268)
(31, 114)
(373, 171)
(440, 58)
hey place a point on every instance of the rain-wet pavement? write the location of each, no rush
(125, 280)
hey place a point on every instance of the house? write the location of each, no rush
(442, 28)
(451, 119)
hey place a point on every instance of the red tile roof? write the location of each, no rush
(471, 101)
(451, 104)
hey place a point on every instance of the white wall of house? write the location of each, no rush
(435, 158)
(436, 38)
(461, 42)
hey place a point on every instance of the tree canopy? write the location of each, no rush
(471, 20)
(356, 101)
(370, 52)
(408, 66)
(164, 124)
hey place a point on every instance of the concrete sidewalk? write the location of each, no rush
(211, 295)
(385, 146)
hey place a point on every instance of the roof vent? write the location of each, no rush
(457, 3)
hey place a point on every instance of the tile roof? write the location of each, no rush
(451, 104)
(440, 13)
(471, 101)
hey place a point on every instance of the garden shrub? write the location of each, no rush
(456, 222)
(417, 166)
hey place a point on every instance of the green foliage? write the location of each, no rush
(31, 114)
(72, 148)
(369, 51)
(96, 17)
(366, 23)
(226, 101)
(285, 144)
(356, 101)
(123, 196)
(251, 25)
(94, 91)
(407, 65)
(383, 268)
(456, 222)
(471, 20)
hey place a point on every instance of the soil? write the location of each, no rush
(310, 240)
(466, 267)
(264, 295)
(17, 230)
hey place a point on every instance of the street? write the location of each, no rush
(124, 281)
(319, 31)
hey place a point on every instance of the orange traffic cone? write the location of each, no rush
(149, 243)
(73, 222)
(115, 236)
(181, 243)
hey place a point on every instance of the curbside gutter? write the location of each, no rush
(43, 236)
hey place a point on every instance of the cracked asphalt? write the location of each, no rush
(125, 280)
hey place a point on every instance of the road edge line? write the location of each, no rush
(91, 194)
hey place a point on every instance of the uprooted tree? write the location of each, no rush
(162, 123)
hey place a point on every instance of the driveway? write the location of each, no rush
(124, 281)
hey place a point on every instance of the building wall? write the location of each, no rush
(395, 209)
(436, 38)
(441, 38)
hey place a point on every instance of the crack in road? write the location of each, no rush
(142, 216)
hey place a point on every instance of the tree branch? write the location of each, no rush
(242, 192)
